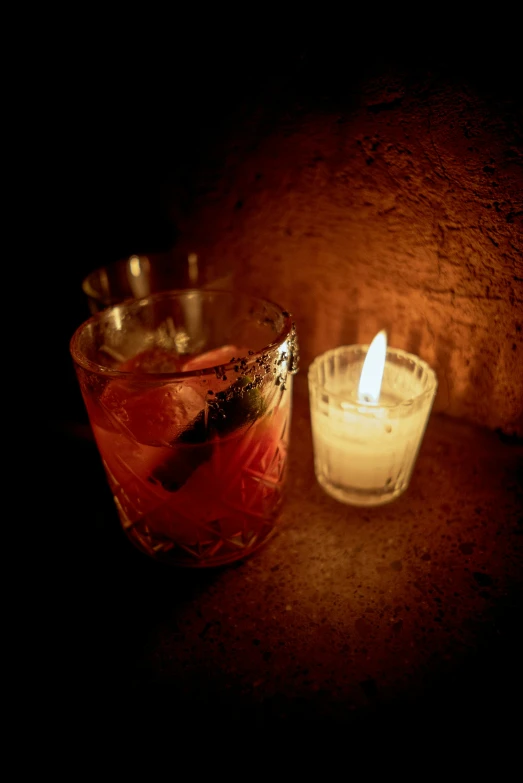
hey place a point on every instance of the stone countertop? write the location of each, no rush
(410, 608)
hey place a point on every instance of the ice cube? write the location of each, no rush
(152, 415)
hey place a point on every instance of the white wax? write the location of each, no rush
(365, 448)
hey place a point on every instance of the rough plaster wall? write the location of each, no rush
(402, 211)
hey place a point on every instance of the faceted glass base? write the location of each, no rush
(353, 496)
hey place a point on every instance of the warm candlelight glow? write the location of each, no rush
(134, 266)
(192, 260)
(138, 269)
(371, 378)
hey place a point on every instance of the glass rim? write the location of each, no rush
(369, 406)
(82, 361)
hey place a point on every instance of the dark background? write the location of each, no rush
(125, 115)
(140, 119)
(130, 118)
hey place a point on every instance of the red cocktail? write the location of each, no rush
(189, 398)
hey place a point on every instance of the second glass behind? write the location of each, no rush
(139, 276)
(189, 398)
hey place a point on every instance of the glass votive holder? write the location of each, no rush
(365, 452)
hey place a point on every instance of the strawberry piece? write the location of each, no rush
(214, 358)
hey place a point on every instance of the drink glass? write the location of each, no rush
(139, 276)
(189, 396)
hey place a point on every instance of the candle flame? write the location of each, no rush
(372, 373)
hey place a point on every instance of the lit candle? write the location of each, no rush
(369, 409)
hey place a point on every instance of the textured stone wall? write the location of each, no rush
(400, 207)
